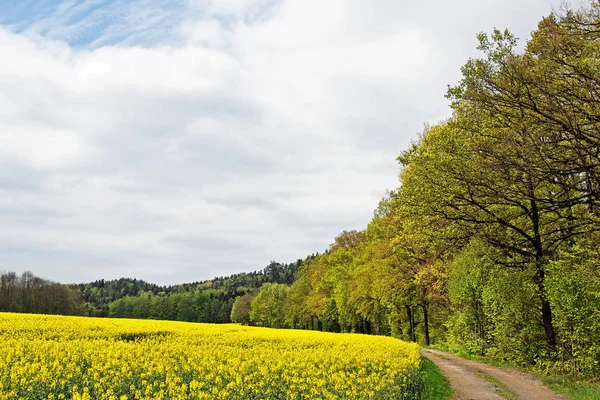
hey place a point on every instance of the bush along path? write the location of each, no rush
(476, 381)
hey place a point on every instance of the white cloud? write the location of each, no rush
(231, 7)
(249, 131)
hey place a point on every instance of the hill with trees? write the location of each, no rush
(204, 301)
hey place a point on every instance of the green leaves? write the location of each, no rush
(487, 243)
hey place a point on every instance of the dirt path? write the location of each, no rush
(475, 381)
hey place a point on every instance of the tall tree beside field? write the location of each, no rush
(267, 307)
(517, 164)
(240, 312)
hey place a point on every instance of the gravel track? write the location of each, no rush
(476, 381)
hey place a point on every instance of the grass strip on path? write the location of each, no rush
(499, 387)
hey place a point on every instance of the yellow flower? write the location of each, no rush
(89, 358)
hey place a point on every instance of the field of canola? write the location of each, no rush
(55, 357)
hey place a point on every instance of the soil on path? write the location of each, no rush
(475, 381)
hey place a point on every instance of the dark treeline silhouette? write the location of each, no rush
(27, 293)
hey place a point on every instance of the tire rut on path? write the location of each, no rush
(466, 379)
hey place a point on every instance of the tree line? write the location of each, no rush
(27, 293)
(208, 301)
(490, 243)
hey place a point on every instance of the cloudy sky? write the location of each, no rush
(177, 140)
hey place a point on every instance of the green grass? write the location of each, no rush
(500, 387)
(561, 384)
(435, 384)
(570, 389)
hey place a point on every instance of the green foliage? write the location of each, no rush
(495, 308)
(574, 290)
(28, 293)
(571, 389)
(268, 306)
(471, 326)
(515, 173)
(240, 312)
(101, 293)
(435, 384)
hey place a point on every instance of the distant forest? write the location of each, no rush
(209, 301)
(490, 244)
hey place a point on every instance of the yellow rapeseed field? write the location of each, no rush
(54, 357)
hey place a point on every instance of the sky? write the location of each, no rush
(175, 141)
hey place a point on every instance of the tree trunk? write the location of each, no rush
(546, 312)
(411, 320)
(426, 322)
(540, 278)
